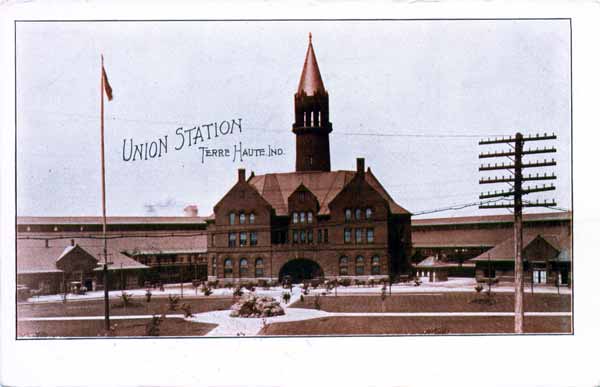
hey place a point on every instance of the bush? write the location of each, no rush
(286, 297)
(213, 284)
(238, 291)
(206, 290)
(302, 298)
(417, 281)
(345, 282)
(371, 282)
(153, 327)
(173, 301)
(478, 288)
(187, 310)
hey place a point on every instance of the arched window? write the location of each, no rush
(232, 218)
(309, 217)
(242, 218)
(357, 214)
(259, 270)
(302, 217)
(347, 214)
(343, 265)
(375, 265)
(228, 268)
(295, 217)
(368, 213)
(360, 265)
(251, 218)
(243, 267)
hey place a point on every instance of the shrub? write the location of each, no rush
(417, 281)
(250, 286)
(187, 310)
(317, 302)
(153, 327)
(302, 298)
(126, 299)
(173, 301)
(262, 283)
(206, 290)
(371, 282)
(238, 291)
(345, 282)
(213, 284)
(286, 297)
(478, 288)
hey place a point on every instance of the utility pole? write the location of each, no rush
(517, 192)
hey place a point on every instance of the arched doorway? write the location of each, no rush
(300, 269)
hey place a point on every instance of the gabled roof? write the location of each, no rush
(276, 188)
(505, 251)
(310, 80)
(34, 257)
(540, 217)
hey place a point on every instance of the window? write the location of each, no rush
(253, 238)
(242, 218)
(252, 218)
(347, 235)
(259, 270)
(368, 213)
(243, 267)
(348, 214)
(302, 196)
(539, 276)
(243, 240)
(232, 239)
(295, 217)
(302, 217)
(319, 236)
(231, 218)
(295, 236)
(360, 265)
(228, 268)
(213, 240)
(343, 265)
(358, 235)
(309, 236)
(357, 214)
(375, 265)
(370, 235)
(214, 266)
(302, 236)
(325, 236)
(309, 217)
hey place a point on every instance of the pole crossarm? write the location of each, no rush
(513, 153)
(504, 179)
(503, 140)
(535, 164)
(512, 205)
(524, 191)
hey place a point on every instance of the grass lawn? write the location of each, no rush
(93, 328)
(141, 307)
(437, 302)
(415, 325)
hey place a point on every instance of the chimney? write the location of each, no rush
(72, 242)
(360, 166)
(191, 210)
(241, 174)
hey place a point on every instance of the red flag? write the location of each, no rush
(107, 88)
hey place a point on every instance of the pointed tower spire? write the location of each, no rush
(310, 81)
(311, 124)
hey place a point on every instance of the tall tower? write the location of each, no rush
(311, 125)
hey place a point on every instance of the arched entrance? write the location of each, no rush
(300, 269)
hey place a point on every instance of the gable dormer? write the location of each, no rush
(303, 200)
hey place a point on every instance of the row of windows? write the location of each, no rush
(242, 218)
(358, 213)
(243, 238)
(243, 265)
(302, 217)
(359, 265)
(361, 235)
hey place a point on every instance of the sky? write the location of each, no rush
(411, 97)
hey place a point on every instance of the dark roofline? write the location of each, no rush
(489, 219)
(97, 220)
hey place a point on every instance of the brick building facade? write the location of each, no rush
(313, 222)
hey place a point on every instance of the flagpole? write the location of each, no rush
(105, 249)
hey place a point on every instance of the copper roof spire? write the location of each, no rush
(310, 80)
